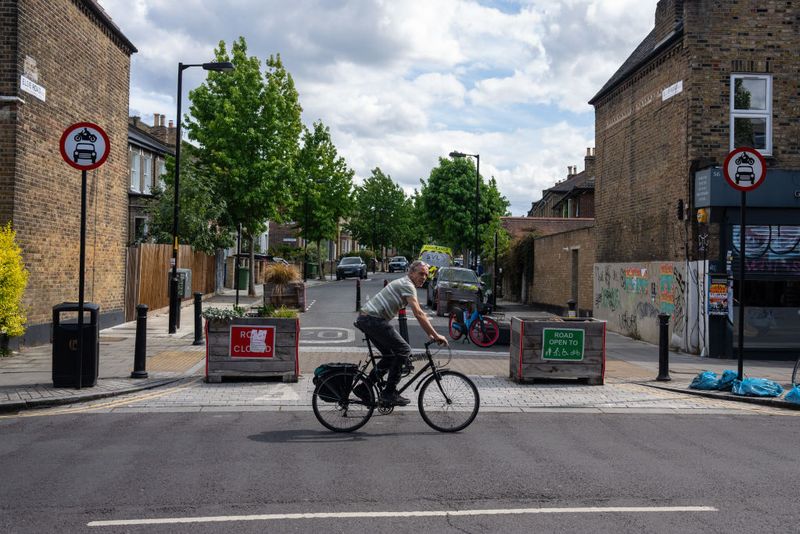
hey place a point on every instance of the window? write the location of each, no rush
(139, 229)
(161, 165)
(147, 173)
(751, 112)
(135, 169)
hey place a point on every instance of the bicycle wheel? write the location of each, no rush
(455, 332)
(484, 332)
(449, 402)
(796, 373)
(341, 405)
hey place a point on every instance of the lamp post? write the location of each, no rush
(174, 309)
(456, 154)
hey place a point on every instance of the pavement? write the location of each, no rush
(176, 368)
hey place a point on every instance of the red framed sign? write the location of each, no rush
(85, 146)
(745, 169)
(252, 341)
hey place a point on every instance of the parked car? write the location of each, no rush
(453, 278)
(351, 266)
(398, 263)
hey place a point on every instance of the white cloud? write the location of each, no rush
(402, 83)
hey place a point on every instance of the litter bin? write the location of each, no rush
(311, 269)
(244, 278)
(65, 347)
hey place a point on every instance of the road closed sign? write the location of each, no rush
(563, 344)
(85, 146)
(252, 341)
(745, 169)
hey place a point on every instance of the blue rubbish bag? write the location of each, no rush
(705, 380)
(793, 396)
(726, 380)
(757, 387)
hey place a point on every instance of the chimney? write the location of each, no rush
(170, 124)
(588, 162)
(161, 120)
(668, 14)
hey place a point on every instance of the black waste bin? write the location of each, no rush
(65, 346)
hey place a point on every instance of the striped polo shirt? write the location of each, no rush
(390, 299)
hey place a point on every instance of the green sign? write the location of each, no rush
(562, 344)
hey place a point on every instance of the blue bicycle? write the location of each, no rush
(481, 330)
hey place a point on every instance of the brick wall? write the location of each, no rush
(85, 68)
(552, 265)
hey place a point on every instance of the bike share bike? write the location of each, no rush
(481, 330)
(345, 398)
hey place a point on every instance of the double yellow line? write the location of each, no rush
(111, 404)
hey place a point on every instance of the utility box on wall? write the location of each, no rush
(184, 283)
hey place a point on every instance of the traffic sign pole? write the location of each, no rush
(81, 279)
(742, 267)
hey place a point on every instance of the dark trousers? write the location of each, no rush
(393, 348)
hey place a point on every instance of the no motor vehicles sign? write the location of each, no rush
(252, 341)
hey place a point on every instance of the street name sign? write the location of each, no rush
(562, 344)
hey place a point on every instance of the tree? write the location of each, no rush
(326, 186)
(247, 129)
(448, 203)
(381, 212)
(13, 279)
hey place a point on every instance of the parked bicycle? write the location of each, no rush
(480, 329)
(345, 398)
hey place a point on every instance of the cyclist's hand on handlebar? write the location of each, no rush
(438, 338)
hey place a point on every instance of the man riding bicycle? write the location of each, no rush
(374, 318)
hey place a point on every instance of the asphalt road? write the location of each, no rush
(331, 311)
(261, 472)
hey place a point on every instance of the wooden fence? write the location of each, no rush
(147, 279)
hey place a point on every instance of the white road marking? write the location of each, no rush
(419, 513)
(311, 304)
(326, 334)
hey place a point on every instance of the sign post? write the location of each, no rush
(84, 146)
(745, 170)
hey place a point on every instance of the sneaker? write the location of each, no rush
(362, 392)
(394, 399)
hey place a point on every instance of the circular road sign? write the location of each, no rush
(85, 146)
(745, 169)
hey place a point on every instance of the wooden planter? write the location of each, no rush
(451, 297)
(293, 296)
(568, 348)
(252, 347)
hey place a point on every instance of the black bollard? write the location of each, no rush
(403, 322)
(385, 282)
(358, 295)
(198, 320)
(571, 312)
(663, 348)
(140, 350)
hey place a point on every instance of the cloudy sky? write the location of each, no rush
(401, 83)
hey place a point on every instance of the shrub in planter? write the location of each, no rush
(283, 286)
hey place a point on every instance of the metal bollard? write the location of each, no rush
(403, 322)
(385, 282)
(663, 348)
(140, 350)
(358, 295)
(571, 312)
(198, 320)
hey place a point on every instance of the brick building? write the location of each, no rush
(709, 77)
(571, 197)
(63, 61)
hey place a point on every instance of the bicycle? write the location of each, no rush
(344, 398)
(482, 330)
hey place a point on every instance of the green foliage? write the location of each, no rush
(383, 216)
(247, 127)
(280, 274)
(518, 262)
(13, 280)
(288, 252)
(325, 186)
(447, 204)
(223, 314)
(366, 255)
(281, 313)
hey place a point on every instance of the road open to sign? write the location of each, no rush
(252, 341)
(562, 344)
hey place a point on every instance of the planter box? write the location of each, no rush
(568, 348)
(294, 296)
(252, 347)
(451, 297)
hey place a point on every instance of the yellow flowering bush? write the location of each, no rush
(13, 279)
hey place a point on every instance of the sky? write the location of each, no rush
(402, 83)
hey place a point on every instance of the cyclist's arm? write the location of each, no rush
(424, 322)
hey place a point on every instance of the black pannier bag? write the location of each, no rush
(335, 387)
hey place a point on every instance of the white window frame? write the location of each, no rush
(135, 169)
(147, 173)
(752, 114)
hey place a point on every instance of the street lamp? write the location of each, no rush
(456, 154)
(174, 308)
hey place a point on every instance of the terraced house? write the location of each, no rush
(711, 76)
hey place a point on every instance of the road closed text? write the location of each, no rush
(252, 341)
